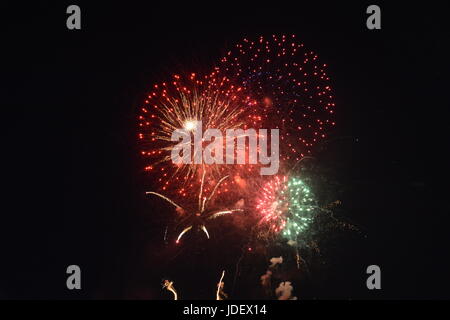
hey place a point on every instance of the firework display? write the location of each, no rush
(180, 104)
(291, 85)
(265, 83)
(269, 82)
(287, 206)
(224, 151)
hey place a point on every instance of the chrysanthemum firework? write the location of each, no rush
(179, 104)
(286, 207)
(291, 84)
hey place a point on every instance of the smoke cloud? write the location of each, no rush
(284, 291)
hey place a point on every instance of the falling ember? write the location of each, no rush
(220, 286)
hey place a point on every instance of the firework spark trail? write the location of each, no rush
(236, 270)
(200, 194)
(198, 218)
(224, 212)
(213, 191)
(165, 234)
(183, 232)
(165, 198)
(219, 286)
(205, 231)
(169, 286)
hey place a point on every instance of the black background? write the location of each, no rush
(72, 179)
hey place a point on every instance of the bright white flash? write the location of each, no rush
(190, 125)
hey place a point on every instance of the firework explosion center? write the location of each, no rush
(196, 146)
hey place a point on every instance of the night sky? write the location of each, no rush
(73, 181)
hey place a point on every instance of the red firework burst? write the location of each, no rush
(292, 86)
(212, 99)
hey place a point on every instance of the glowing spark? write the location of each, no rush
(200, 194)
(164, 197)
(205, 230)
(190, 125)
(223, 212)
(183, 232)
